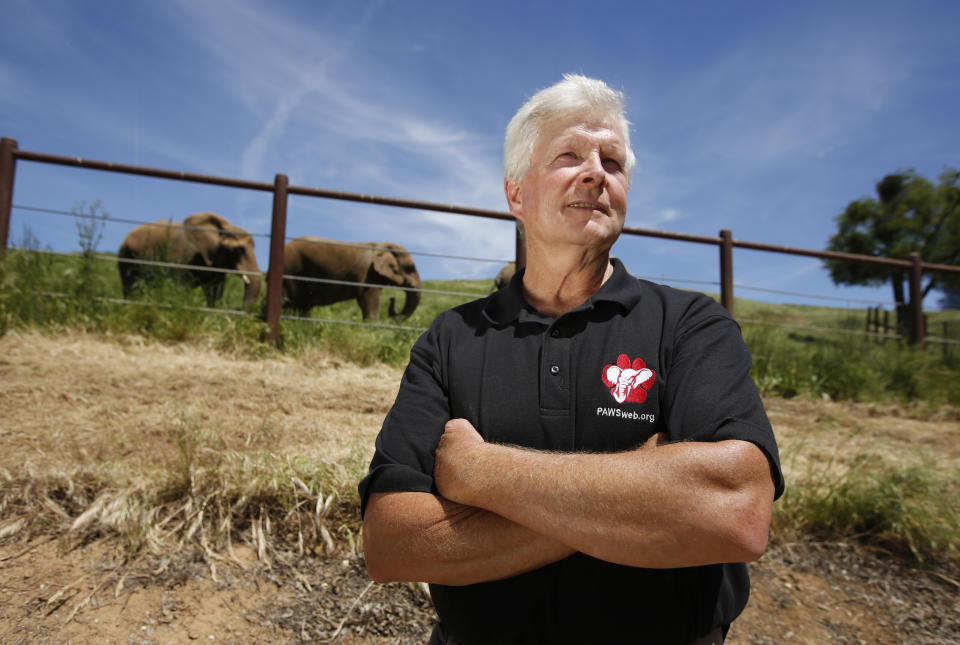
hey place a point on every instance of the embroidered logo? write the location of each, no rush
(628, 381)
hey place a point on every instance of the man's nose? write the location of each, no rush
(593, 172)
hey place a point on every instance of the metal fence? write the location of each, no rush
(10, 154)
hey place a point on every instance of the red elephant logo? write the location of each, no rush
(628, 381)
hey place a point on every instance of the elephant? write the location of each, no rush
(371, 263)
(202, 240)
(504, 276)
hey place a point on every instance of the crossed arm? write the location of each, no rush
(504, 510)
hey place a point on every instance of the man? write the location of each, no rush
(580, 456)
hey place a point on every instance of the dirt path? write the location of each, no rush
(75, 403)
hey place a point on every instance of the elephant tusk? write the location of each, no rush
(245, 278)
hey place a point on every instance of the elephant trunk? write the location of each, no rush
(251, 288)
(413, 299)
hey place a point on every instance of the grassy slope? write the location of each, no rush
(798, 350)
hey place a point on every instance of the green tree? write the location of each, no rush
(950, 299)
(910, 215)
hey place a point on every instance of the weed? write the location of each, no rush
(914, 508)
(206, 496)
(847, 367)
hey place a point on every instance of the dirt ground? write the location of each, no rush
(72, 403)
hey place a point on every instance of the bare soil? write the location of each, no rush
(71, 403)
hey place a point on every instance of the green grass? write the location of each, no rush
(912, 509)
(825, 353)
(798, 351)
(364, 344)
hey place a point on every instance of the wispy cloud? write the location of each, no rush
(801, 99)
(314, 106)
(663, 219)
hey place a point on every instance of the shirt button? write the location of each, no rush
(554, 369)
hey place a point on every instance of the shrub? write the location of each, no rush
(914, 508)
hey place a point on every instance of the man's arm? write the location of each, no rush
(659, 506)
(423, 537)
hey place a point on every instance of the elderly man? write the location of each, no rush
(582, 456)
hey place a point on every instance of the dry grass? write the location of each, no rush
(171, 446)
(141, 466)
(886, 475)
(183, 445)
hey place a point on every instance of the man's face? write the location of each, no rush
(575, 191)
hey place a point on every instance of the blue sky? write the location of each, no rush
(766, 118)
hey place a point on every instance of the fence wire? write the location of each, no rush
(810, 295)
(354, 323)
(136, 222)
(663, 279)
(237, 272)
(818, 328)
(656, 278)
(140, 303)
(172, 224)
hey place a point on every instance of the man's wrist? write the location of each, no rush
(470, 466)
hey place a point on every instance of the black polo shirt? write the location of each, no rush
(634, 359)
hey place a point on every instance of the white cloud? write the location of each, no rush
(800, 100)
(662, 219)
(763, 277)
(10, 79)
(314, 103)
(253, 155)
(669, 215)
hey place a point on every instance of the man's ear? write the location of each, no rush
(514, 201)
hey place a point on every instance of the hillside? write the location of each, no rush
(83, 409)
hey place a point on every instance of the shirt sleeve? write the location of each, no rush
(404, 452)
(710, 395)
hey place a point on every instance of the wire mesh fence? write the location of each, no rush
(277, 276)
(176, 266)
(855, 314)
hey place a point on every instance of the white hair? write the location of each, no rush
(575, 94)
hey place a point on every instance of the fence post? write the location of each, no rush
(278, 232)
(7, 167)
(917, 332)
(726, 270)
(946, 340)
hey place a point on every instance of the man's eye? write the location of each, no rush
(611, 165)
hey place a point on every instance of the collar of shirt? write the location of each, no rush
(508, 305)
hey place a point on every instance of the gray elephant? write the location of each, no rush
(505, 275)
(202, 240)
(370, 263)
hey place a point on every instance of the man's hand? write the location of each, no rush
(457, 453)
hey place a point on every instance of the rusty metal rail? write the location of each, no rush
(10, 154)
(79, 162)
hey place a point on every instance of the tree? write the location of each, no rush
(950, 299)
(911, 215)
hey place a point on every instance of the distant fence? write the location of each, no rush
(281, 189)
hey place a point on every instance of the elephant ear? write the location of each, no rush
(204, 231)
(385, 262)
